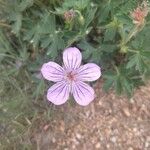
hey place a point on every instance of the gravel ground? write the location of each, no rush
(109, 123)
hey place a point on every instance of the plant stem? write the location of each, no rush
(131, 34)
(9, 26)
(133, 51)
(5, 25)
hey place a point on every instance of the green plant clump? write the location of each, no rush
(112, 33)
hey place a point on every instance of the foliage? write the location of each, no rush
(35, 31)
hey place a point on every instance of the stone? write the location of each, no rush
(78, 136)
(113, 139)
(97, 146)
(126, 112)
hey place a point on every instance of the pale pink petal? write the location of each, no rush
(82, 93)
(52, 71)
(72, 58)
(58, 93)
(89, 72)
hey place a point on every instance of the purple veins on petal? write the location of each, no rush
(72, 58)
(58, 93)
(70, 78)
(52, 71)
(82, 93)
(89, 72)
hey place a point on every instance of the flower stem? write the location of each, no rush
(3, 24)
(132, 33)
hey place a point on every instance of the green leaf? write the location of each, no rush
(141, 42)
(57, 44)
(87, 49)
(17, 23)
(36, 38)
(104, 13)
(45, 42)
(91, 14)
(126, 84)
(117, 85)
(28, 35)
(138, 61)
(146, 55)
(40, 89)
(109, 77)
(97, 56)
(47, 24)
(81, 4)
(131, 62)
(5, 46)
(108, 48)
(108, 84)
(110, 34)
(25, 4)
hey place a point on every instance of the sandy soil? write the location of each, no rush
(109, 123)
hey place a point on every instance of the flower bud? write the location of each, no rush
(140, 13)
(69, 15)
(81, 20)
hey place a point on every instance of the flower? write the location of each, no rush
(70, 78)
(140, 13)
(69, 15)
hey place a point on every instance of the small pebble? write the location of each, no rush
(78, 136)
(146, 144)
(97, 146)
(148, 138)
(130, 148)
(108, 146)
(135, 129)
(126, 112)
(53, 140)
(113, 139)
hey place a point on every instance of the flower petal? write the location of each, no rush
(89, 72)
(58, 93)
(52, 71)
(72, 58)
(83, 93)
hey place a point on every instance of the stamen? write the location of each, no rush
(71, 76)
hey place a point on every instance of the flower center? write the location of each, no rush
(71, 76)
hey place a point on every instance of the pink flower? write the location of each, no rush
(70, 78)
(140, 13)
